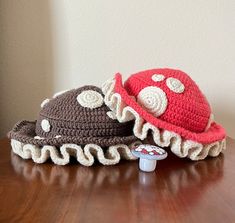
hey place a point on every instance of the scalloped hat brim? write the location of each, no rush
(125, 109)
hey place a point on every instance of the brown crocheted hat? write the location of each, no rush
(75, 118)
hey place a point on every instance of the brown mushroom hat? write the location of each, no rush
(74, 123)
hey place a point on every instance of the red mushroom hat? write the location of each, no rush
(168, 104)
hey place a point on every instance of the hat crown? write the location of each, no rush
(172, 96)
(78, 112)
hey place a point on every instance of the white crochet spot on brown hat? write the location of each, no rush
(38, 137)
(158, 77)
(90, 99)
(175, 85)
(45, 102)
(58, 136)
(153, 99)
(45, 125)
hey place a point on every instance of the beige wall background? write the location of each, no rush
(47, 46)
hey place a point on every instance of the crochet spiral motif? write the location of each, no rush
(158, 77)
(175, 85)
(153, 99)
(164, 138)
(90, 99)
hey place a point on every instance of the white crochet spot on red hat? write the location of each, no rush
(175, 85)
(153, 99)
(158, 77)
(90, 99)
(45, 125)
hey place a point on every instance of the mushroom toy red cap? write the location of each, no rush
(149, 155)
(149, 152)
(168, 104)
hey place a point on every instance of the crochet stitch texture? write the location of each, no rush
(74, 123)
(169, 104)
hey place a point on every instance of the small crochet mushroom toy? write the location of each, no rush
(169, 105)
(149, 155)
(74, 123)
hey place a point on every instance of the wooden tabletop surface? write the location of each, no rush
(179, 191)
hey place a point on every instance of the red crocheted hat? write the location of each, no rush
(169, 104)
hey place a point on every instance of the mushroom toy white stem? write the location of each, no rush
(147, 165)
(149, 155)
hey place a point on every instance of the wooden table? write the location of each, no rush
(179, 191)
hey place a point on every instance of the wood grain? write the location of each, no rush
(179, 191)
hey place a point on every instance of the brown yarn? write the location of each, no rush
(74, 123)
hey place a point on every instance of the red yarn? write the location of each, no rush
(187, 113)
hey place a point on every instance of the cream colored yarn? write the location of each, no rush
(164, 138)
(85, 155)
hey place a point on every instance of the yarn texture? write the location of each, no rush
(74, 123)
(185, 125)
(85, 155)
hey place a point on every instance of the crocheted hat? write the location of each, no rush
(169, 104)
(74, 123)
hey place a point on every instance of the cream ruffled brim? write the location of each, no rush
(85, 155)
(164, 138)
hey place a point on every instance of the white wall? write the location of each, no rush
(86, 42)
